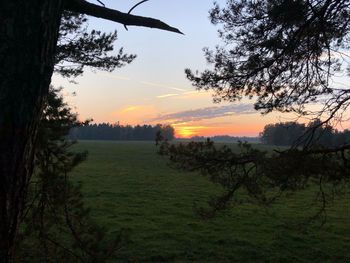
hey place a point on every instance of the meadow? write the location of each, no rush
(128, 186)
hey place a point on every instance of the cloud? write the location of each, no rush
(191, 92)
(167, 95)
(205, 113)
(152, 84)
(130, 108)
(133, 114)
(185, 95)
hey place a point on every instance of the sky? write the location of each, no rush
(153, 89)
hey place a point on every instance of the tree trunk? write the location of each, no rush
(28, 37)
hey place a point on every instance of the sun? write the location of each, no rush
(183, 132)
(188, 131)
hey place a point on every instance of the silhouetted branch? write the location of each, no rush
(84, 7)
(264, 176)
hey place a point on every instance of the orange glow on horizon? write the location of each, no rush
(240, 125)
(189, 131)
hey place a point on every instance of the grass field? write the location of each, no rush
(128, 186)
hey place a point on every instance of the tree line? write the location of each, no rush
(118, 132)
(290, 133)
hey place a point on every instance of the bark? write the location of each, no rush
(28, 37)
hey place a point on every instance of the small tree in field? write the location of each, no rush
(283, 54)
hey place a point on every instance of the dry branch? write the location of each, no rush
(84, 7)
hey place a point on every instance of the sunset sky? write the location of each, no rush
(154, 89)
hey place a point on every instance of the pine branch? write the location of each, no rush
(84, 7)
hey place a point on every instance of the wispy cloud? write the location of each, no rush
(133, 114)
(190, 92)
(152, 84)
(130, 108)
(167, 95)
(195, 94)
(205, 113)
(185, 95)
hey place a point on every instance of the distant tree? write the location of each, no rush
(293, 133)
(107, 131)
(284, 54)
(282, 134)
(342, 138)
(322, 134)
(167, 131)
(29, 32)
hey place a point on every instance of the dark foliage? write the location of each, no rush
(78, 48)
(264, 176)
(57, 225)
(293, 133)
(107, 131)
(284, 54)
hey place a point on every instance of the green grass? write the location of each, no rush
(127, 185)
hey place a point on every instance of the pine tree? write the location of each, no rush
(284, 55)
(57, 224)
(29, 32)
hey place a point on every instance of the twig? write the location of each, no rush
(101, 3)
(132, 8)
(139, 3)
